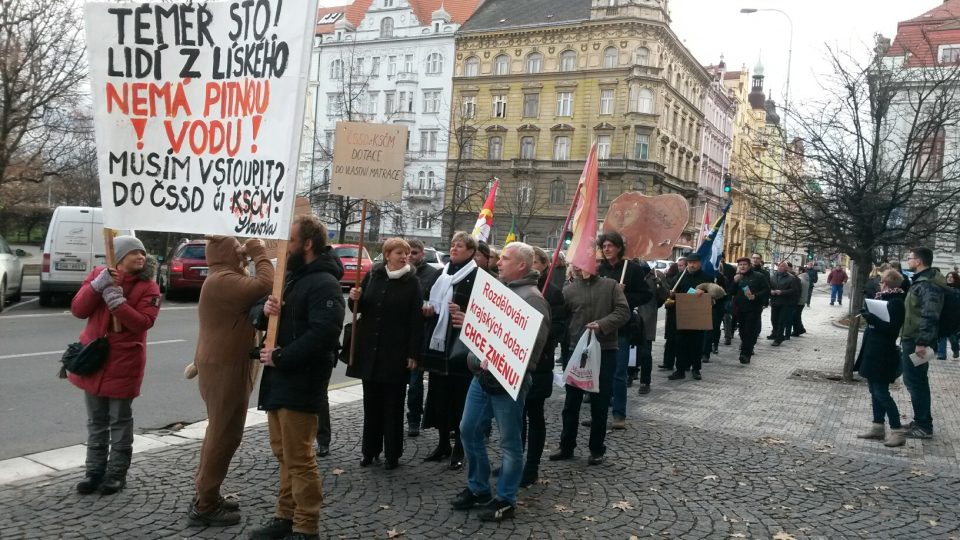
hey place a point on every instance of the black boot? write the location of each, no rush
(116, 477)
(96, 466)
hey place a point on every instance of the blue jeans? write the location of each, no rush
(620, 376)
(883, 404)
(479, 409)
(836, 293)
(917, 383)
(942, 345)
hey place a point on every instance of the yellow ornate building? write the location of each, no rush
(536, 82)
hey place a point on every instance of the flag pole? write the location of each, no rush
(356, 284)
(563, 233)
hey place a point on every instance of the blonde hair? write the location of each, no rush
(892, 278)
(469, 242)
(391, 244)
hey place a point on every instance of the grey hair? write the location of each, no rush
(523, 251)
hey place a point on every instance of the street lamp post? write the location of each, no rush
(786, 97)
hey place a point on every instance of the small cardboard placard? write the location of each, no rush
(694, 312)
(368, 161)
(500, 328)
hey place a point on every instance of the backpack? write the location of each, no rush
(949, 323)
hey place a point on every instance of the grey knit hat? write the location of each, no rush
(123, 245)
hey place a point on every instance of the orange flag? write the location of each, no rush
(481, 231)
(582, 252)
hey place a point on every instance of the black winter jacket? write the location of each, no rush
(426, 275)
(390, 329)
(879, 358)
(311, 319)
(760, 288)
(789, 287)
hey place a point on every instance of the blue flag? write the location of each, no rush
(712, 246)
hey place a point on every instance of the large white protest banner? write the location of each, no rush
(500, 328)
(198, 109)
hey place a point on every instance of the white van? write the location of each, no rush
(73, 247)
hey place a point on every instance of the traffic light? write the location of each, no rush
(567, 238)
(727, 183)
(809, 253)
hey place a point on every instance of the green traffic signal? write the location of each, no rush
(567, 238)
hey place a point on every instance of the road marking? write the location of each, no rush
(48, 353)
(20, 304)
(62, 313)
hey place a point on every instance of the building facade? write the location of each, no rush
(719, 112)
(537, 82)
(385, 61)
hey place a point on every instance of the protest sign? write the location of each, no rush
(651, 226)
(694, 312)
(368, 161)
(500, 328)
(198, 110)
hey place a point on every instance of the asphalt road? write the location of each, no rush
(39, 411)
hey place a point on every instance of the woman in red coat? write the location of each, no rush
(129, 293)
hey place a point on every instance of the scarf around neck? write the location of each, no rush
(440, 296)
(397, 274)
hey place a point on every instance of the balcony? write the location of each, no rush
(628, 165)
(407, 77)
(403, 117)
(494, 162)
(421, 194)
(522, 163)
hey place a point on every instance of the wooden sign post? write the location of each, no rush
(278, 248)
(111, 257)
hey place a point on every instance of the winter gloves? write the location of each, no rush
(113, 296)
(102, 281)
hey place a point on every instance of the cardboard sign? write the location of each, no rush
(650, 225)
(500, 328)
(693, 312)
(368, 161)
(198, 109)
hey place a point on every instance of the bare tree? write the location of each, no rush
(523, 198)
(871, 173)
(42, 66)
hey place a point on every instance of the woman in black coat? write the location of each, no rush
(389, 336)
(449, 377)
(879, 360)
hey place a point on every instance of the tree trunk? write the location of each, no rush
(859, 274)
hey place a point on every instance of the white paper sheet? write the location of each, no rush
(879, 308)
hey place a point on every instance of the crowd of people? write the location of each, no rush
(408, 321)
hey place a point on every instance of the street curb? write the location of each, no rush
(49, 462)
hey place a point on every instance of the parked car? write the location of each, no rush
(431, 255)
(347, 253)
(185, 270)
(11, 274)
(72, 248)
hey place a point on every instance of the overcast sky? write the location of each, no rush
(713, 27)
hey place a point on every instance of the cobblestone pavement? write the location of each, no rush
(746, 453)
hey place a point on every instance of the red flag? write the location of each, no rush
(481, 231)
(582, 252)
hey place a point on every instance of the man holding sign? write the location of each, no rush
(491, 319)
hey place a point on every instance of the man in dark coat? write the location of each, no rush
(689, 342)
(753, 290)
(427, 275)
(670, 327)
(784, 295)
(296, 373)
(812, 276)
(729, 271)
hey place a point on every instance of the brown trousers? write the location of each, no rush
(301, 494)
(225, 389)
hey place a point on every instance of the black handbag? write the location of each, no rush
(84, 359)
(344, 352)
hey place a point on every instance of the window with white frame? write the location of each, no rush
(949, 54)
(611, 58)
(373, 99)
(603, 147)
(386, 28)
(434, 63)
(423, 220)
(534, 63)
(469, 104)
(357, 69)
(645, 101)
(375, 66)
(336, 69)
(471, 68)
(408, 63)
(387, 3)
(495, 148)
(334, 104)
(641, 147)
(431, 178)
(601, 191)
(561, 148)
(406, 102)
(500, 106)
(391, 102)
(564, 103)
(524, 192)
(421, 180)
(606, 101)
(431, 101)
(428, 141)
(528, 148)
(642, 56)
(328, 139)
(501, 65)
(531, 105)
(568, 61)
(463, 190)
(391, 66)
(466, 150)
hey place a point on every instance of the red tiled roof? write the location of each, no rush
(921, 36)
(945, 11)
(354, 13)
(459, 10)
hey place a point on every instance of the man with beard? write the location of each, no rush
(296, 373)
(427, 275)
(689, 343)
(223, 364)
(748, 301)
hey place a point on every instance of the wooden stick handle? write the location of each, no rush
(111, 257)
(278, 281)
(353, 334)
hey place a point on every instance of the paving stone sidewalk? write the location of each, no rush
(746, 453)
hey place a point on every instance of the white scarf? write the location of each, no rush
(440, 297)
(397, 274)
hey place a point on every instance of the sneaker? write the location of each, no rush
(676, 376)
(229, 504)
(619, 423)
(468, 499)
(917, 432)
(896, 437)
(644, 389)
(595, 459)
(218, 516)
(696, 375)
(274, 529)
(497, 510)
